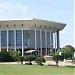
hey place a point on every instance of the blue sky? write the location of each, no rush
(54, 10)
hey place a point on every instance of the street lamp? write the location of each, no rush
(28, 36)
(50, 49)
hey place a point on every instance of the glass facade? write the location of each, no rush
(18, 37)
(11, 37)
(27, 42)
(43, 39)
(3, 38)
(32, 39)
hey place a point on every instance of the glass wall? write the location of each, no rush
(11, 38)
(25, 41)
(32, 39)
(3, 38)
(18, 37)
(48, 39)
(43, 39)
(38, 39)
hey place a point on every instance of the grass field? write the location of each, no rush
(34, 70)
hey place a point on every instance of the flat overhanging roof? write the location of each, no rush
(31, 22)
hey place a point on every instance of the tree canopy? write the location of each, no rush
(39, 60)
(57, 58)
(66, 52)
(9, 56)
(29, 58)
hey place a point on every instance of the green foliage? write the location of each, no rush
(39, 60)
(9, 56)
(57, 58)
(21, 59)
(66, 52)
(14, 54)
(5, 56)
(73, 59)
(30, 58)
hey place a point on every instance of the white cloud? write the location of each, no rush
(9, 9)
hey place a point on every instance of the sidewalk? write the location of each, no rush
(61, 63)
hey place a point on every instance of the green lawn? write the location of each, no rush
(35, 70)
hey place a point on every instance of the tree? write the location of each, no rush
(39, 60)
(21, 59)
(57, 58)
(30, 58)
(66, 52)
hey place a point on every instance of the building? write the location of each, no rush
(27, 34)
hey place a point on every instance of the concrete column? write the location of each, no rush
(7, 37)
(15, 37)
(58, 43)
(50, 41)
(35, 39)
(22, 42)
(55, 38)
(55, 42)
(46, 40)
(40, 40)
(0, 37)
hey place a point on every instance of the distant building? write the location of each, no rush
(27, 34)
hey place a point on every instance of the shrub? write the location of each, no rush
(5, 57)
(39, 60)
(56, 58)
(14, 54)
(30, 58)
(21, 59)
(9, 56)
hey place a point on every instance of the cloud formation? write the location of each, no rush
(7, 9)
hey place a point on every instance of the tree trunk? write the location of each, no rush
(30, 63)
(57, 63)
(21, 62)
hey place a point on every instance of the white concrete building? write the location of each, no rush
(24, 34)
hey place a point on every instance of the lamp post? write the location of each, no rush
(28, 36)
(50, 49)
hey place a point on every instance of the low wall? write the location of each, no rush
(48, 58)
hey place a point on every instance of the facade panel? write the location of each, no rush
(19, 38)
(11, 38)
(25, 40)
(32, 39)
(3, 38)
